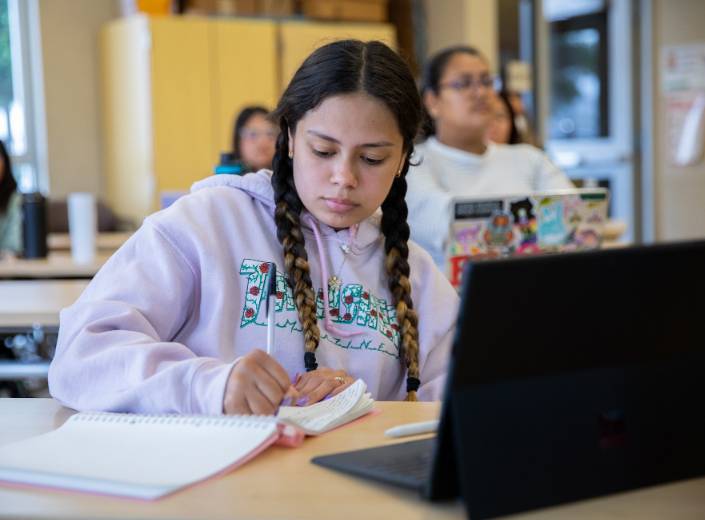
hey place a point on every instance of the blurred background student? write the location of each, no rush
(521, 119)
(456, 159)
(502, 128)
(254, 138)
(10, 206)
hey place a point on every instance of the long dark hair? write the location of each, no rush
(344, 67)
(8, 185)
(242, 119)
(514, 135)
(433, 71)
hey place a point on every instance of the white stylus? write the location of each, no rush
(271, 306)
(412, 429)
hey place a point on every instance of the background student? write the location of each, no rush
(176, 322)
(502, 128)
(254, 138)
(456, 159)
(521, 118)
(10, 206)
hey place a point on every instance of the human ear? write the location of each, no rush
(291, 143)
(401, 164)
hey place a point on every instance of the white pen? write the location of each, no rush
(412, 429)
(271, 304)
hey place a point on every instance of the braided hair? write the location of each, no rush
(345, 67)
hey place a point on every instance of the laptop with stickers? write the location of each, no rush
(543, 222)
(572, 376)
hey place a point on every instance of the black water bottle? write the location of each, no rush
(34, 225)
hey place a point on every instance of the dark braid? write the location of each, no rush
(396, 237)
(286, 215)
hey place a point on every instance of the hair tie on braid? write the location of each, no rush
(310, 361)
(412, 384)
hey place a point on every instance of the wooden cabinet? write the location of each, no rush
(299, 39)
(172, 87)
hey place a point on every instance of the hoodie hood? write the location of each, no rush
(259, 186)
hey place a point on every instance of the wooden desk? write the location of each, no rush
(282, 483)
(58, 264)
(105, 241)
(24, 303)
(28, 303)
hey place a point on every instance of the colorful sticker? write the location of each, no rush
(525, 226)
(552, 231)
(499, 234)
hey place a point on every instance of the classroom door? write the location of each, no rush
(586, 93)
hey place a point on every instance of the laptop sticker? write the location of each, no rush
(552, 230)
(499, 234)
(466, 241)
(525, 226)
(589, 228)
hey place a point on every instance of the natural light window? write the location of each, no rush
(20, 103)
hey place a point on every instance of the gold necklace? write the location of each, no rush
(334, 281)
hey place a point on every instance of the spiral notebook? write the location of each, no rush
(149, 456)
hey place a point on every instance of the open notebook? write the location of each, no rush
(149, 456)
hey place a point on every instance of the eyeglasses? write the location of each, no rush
(467, 82)
(251, 135)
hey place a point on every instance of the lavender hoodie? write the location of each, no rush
(164, 321)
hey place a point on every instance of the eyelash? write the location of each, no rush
(369, 160)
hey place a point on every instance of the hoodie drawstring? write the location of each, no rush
(324, 281)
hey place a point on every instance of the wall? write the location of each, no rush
(69, 34)
(469, 22)
(678, 192)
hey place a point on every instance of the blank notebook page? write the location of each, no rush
(135, 455)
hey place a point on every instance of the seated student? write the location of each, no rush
(10, 206)
(502, 128)
(521, 119)
(456, 159)
(176, 322)
(254, 137)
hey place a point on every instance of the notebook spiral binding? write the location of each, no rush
(231, 421)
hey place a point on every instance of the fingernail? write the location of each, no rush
(286, 401)
(302, 401)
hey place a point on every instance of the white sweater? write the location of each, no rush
(444, 172)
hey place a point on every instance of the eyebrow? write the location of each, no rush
(325, 137)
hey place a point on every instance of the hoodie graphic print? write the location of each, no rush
(349, 304)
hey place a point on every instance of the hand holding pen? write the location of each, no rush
(258, 384)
